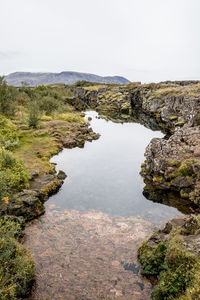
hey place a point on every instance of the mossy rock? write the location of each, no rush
(165, 256)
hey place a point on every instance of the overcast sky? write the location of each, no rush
(146, 40)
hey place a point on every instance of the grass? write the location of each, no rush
(70, 117)
(162, 90)
(36, 146)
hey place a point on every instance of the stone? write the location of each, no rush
(61, 175)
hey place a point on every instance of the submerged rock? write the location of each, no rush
(87, 255)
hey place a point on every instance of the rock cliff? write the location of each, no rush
(174, 161)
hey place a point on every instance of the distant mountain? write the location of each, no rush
(35, 79)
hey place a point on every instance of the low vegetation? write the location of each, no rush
(176, 268)
(16, 263)
(13, 174)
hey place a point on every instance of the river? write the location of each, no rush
(104, 175)
(85, 245)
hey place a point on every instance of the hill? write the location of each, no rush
(35, 79)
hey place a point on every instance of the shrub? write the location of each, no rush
(152, 260)
(7, 94)
(180, 272)
(176, 268)
(16, 263)
(13, 174)
(34, 113)
(8, 133)
(48, 104)
(41, 88)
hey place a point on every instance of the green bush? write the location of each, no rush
(176, 269)
(16, 263)
(33, 114)
(48, 104)
(177, 277)
(13, 174)
(152, 259)
(8, 133)
(7, 95)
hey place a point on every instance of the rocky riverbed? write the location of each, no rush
(87, 255)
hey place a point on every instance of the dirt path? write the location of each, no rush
(87, 256)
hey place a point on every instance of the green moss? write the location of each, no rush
(173, 118)
(50, 188)
(197, 119)
(174, 175)
(174, 281)
(152, 259)
(16, 263)
(180, 123)
(185, 168)
(184, 195)
(173, 163)
(157, 179)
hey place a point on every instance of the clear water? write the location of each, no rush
(104, 175)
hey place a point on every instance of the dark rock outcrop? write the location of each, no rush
(174, 161)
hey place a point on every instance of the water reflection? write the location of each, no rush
(104, 175)
(169, 198)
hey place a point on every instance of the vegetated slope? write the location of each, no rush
(35, 79)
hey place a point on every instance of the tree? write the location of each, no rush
(34, 114)
(6, 98)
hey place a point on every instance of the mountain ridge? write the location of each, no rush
(66, 77)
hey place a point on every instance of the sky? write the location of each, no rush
(142, 40)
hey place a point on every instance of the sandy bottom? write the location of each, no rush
(87, 256)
